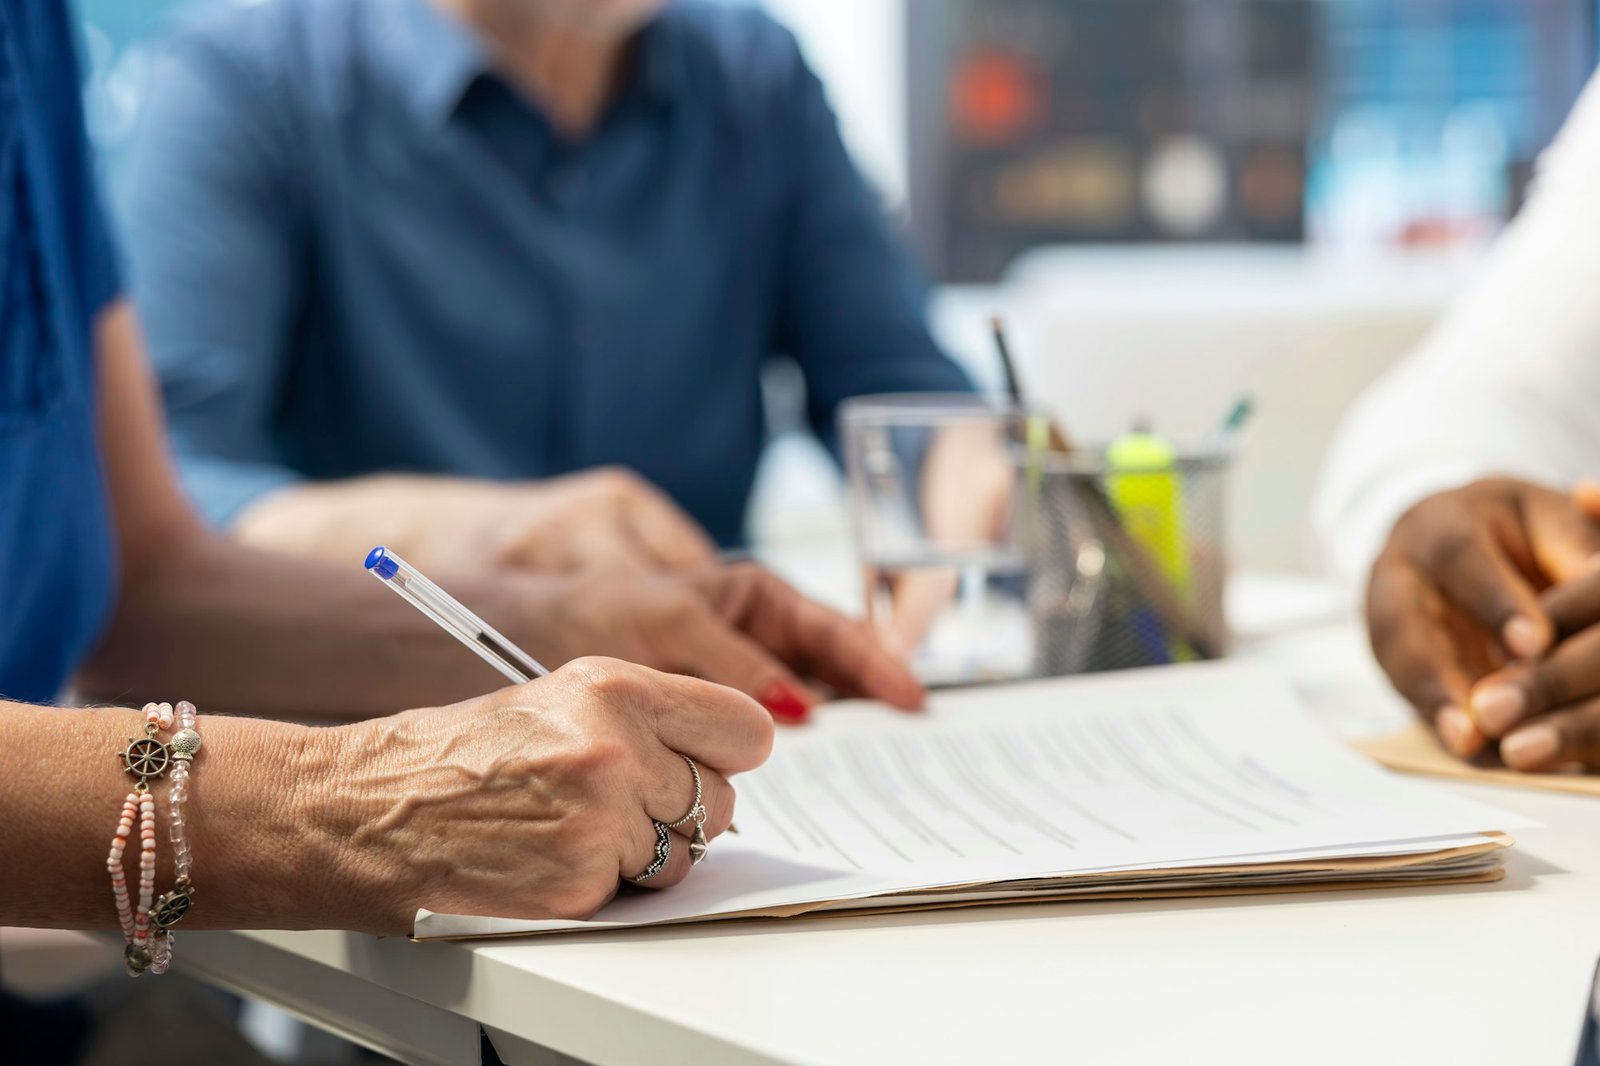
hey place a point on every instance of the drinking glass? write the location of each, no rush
(935, 485)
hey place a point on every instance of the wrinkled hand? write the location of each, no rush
(535, 801)
(1455, 596)
(737, 625)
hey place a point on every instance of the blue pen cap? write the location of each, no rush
(382, 563)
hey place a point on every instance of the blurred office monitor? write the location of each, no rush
(1350, 122)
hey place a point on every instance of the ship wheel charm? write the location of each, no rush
(172, 906)
(145, 757)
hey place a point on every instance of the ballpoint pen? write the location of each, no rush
(433, 601)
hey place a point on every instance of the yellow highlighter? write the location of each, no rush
(1147, 492)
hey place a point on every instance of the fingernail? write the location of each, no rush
(1531, 747)
(783, 703)
(1523, 637)
(1456, 730)
(1498, 707)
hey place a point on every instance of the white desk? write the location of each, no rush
(1491, 974)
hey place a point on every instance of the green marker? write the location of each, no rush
(1238, 415)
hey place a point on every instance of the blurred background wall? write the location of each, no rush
(1173, 201)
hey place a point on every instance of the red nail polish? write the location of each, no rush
(783, 703)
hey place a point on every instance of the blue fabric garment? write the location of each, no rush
(356, 249)
(57, 574)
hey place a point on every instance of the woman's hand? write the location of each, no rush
(532, 802)
(737, 625)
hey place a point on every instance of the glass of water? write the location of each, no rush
(935, 484)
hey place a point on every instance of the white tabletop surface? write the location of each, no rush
(1490, 974)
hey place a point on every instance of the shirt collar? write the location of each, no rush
(438, 58)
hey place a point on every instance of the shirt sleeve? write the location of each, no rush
(88, 237)
(215, 247)
(1507, 383)
(852, 309)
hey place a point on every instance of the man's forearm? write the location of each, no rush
(337, 521)
(227, 627)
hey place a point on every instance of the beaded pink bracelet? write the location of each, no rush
(173, 905)
(147, 758)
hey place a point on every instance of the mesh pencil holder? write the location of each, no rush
(1127, 564)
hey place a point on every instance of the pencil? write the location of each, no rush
(1147, 577)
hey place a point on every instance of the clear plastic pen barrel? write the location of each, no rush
(439, 605)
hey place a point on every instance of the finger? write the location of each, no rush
(667, 791)
(1417, 650)
(717, 726)
(706, 645)
(1564, 538)
(1476, 575)
(643, 853)
(1560, 738)
(1574, 605)
(1586, 498)
(1568, 675)
(666, 535)
(842, 652)
(918, 599)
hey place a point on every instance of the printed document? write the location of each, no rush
(1046, 786)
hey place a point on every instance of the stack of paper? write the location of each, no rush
(1194, 780)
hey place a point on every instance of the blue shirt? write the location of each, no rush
(356, 249)
(57, 574)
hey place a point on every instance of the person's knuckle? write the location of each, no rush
(609, 680)
(678, 610)
(618, 481)
(1489, 485)
(1448, 548)
(1416, 521)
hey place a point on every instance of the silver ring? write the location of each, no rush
(698, 844)
(663, 852)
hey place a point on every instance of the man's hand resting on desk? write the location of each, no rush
(606, 519)
(737, 625)
(1465, 607)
